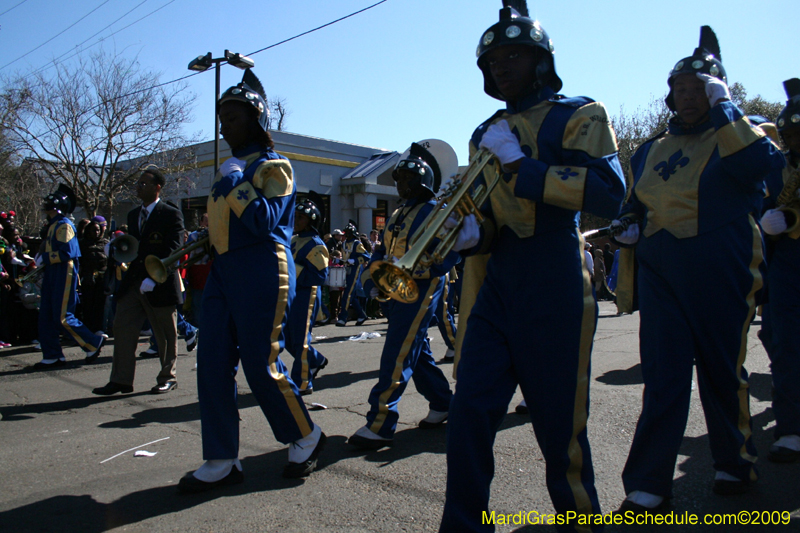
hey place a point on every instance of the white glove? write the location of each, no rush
(374, 292)
(773, 222)
(232, 165)
(716, 89)
(351, 261)
(39, 260)
(147, 285)
(469, 235)
(499, 140)
(630, 235)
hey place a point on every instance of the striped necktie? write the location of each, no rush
(142, 220)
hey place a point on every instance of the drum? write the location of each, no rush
(337, 276)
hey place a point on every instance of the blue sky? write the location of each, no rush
(405, 70)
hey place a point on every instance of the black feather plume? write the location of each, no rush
(521, 6)
(252, 81)
(792, 88)
(709, 43)
(315, 197)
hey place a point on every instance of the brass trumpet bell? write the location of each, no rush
(394, 282)
(160, 269)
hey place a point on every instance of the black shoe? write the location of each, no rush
(636, 509)
(725, 487)
(360, 321)
(522, 409)
(369, 444)
(445, 360)
(780, 454)
(48, 366)
(341, 323)
(112, 388)
(191, 485)
(297, 470)
(315, 371)
(307, 392)
(150, 353)
(93, 355)
(164, 387)
(191, 341)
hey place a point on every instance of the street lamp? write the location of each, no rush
(203, 63)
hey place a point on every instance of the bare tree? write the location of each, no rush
(97, 124)
(278, 113)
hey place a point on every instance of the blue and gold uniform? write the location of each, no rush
(311, 263)
(782, 312)
(443, 318)
(532, 233)
(59, 291)
(246, 300)
(406, 352)
(352, 249)
(696, 193)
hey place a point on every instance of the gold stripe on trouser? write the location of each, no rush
(744, 397)
(65, 302)
(352, 288)
(383, 410)
(583, 504)
(280, 309)
(304, 355)
(474, 274)
(448, 326)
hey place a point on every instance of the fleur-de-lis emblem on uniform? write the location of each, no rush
(668, 168)
(243, 195)
(215, 192)
(566, 174)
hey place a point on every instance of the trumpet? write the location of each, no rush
(461, 198)
(32, 276)
(160, 269)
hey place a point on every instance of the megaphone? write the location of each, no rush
(125, 248)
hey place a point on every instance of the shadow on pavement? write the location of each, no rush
(630, 376)
(83, 514)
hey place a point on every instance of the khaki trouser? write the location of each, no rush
(132, 310)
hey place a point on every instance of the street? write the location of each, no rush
(63, 470)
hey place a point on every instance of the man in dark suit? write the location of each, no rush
(158, 226)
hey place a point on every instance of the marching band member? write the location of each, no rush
(782, 314)
(311, 264)
(59, 258)
(407, 353)
(443, 318)
(247, 296)
(696, 189)
(355, 256)
(558, 157)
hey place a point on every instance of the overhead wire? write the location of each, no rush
(12, 7)
(54, 61)
(156, 86)
(56, 35)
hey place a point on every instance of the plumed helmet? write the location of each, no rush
(62, 200)
(251, 92)
(431, 161)
(516, 27)
(351, 230)
(706, 59)
(790, 116)
(313, 206)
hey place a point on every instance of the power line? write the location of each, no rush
(54, 62)
(12, 7)
(219, 64)
(318, 28)
(56, 35)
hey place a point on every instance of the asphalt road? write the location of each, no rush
(62, 468)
